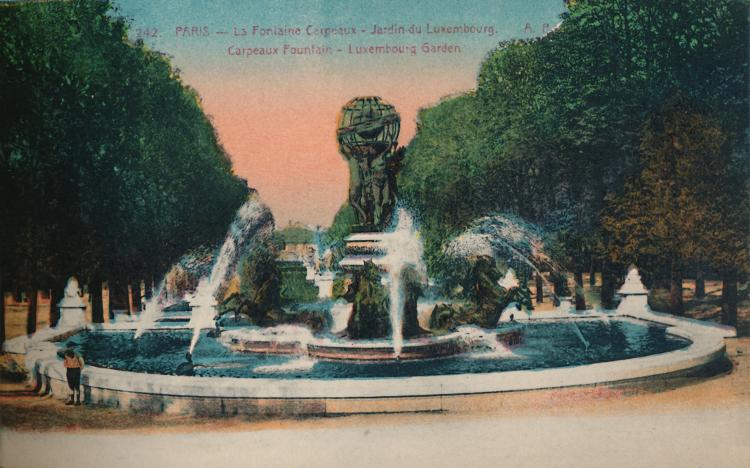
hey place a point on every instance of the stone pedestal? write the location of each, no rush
(364, 247)
(72, 308)
(370, 317)
(634, 294)
(566, 305)
(324, 282)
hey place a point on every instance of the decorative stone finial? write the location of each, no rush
(72, 308)
(633, 284)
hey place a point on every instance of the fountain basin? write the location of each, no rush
(430, 347)
(426, 348)
(359, 388)
(265, 347)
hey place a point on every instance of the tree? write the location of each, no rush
(554, 130)
(109, 169)
(340, 228)
(671, 214)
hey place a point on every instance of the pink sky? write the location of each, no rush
(282, 138)
(276, 115)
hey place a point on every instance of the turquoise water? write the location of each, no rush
(546, 345)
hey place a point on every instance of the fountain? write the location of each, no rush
(253, 223)
(516, 301)
(151, 312)
(373, 355)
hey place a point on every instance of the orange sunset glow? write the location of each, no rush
(275, 112)
(283, 140)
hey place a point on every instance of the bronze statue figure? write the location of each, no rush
(367, 134)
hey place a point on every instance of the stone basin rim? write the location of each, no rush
(706, 345)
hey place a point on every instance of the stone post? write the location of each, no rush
(634, 294)
(72, 308)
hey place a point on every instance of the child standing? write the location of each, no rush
(73, 365)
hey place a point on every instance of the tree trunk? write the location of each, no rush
(106, 305)
(676, 306)
(539, 289)
(557, 287)
(137, 296)
(700, 283)
(117, 296)
(592, 273)
(608, 286)
(97, 304)
(560, 284)
(31, 295)
(130, 298)
(149, 288)
(16, 293)
(580, 298)
(729, 298)
(2, 311)
(55, 295)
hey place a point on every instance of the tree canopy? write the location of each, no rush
(561, 127)
(109, 168)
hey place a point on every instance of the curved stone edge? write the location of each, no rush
(707, 345)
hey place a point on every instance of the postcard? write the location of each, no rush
(356, 233)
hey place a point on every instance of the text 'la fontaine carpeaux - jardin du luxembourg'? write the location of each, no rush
(395, 29)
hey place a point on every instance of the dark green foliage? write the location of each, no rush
(296, 235)
(294, 286)
(482, 290)
(411, 282)
(230, 304)
(260, 288)
(339, 230)
(449, 316)
(521, 295)
(315, 319)
(339, 286)
(109, 168)
(442, 178)
(369, 317)
(554, 131)
(559, 282)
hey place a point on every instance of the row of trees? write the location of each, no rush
(623, 132)
(109, 169)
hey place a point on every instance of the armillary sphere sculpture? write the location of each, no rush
(367, 133)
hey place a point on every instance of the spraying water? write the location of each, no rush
(510, 280)
(300, 364)
(403, 248)
(203, 306)
(504, 236)
(484, 345)
(151, 312)
(507, 237)
(253, 222)
(340, 313)
(282, 334)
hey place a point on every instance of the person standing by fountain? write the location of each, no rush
(73, 363)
